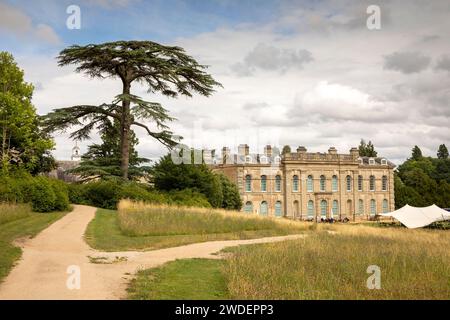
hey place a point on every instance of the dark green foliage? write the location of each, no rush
(231, 198)
(107, 194)
(416, 153)
(61, 195)
(43, 197)
(367, 150)
(423, 181)
(442, 152)
(169, 176)
(286, 149)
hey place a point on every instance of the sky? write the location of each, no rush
(298, 73)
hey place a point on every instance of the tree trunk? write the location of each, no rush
(125, 133)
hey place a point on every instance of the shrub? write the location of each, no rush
(188, 198)
(77, 193)
(10, 190)
(61, 195)
(43, 197)
(103, 194)
(138, 191)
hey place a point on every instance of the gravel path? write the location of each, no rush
(54, 257)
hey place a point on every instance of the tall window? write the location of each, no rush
(385, 206)
(295, 183)
(323, 208)
(322, 183)
(296, 209)
(278, 183)
(278, 210)
(373, 207)
(372, 183)
(263, 183)
(360, 183)
(349, 183)
(310, 209)
(263, 209)
(361, 206)
(384, 183)
(248, 183)
(334, 183)
(248, 208)
(335, 210)
(309, 184)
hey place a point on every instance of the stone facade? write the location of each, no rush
(302, 185)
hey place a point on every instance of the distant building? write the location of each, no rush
(63, 165)
(303, 185)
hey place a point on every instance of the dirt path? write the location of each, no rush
(42, 273)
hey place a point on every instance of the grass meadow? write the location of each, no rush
(139, 226)
(18, 221)
(414, 264)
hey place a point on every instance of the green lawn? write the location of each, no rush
(414, 264)
(197, 279)
(18, 222)
(104, 233)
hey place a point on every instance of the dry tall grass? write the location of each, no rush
(415, 264)
(141, 219)
(11, 212)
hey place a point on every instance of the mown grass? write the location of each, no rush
(18, 221)
(143, 227)
(415, 264)
(197, 279)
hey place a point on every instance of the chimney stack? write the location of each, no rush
(354, 152)
(268, 151)
(243, 150)
(332, 150)
(301, 150)
(225, 155)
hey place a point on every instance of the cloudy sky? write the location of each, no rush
(293, 72)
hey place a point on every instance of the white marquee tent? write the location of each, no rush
(413, 217)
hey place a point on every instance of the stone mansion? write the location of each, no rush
(304, 185)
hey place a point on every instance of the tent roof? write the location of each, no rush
(413, 217)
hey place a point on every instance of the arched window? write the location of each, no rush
(278, 183)
(361, 206)
(248, 183)
(295, 183)
(263, 210)
(322, 183)
(385, 206)
(278, 210)
(373, 207)
(323, 208)
(248, 208)
(372, 183)
(334, 183)
(360, 183)
(335, 210)
(384, 183)
(348, 180)
(263, 183)
(310, 209)
(309, 184)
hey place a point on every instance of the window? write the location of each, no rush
(371, 161)
(323, 208)
(322, 183)
(277, 160)
(334, 183)
(248, 208)
(361, 206)
(278, 183)
(372, 183)
(360, 183)
(309, 184)
(278, 211)
(263, 209)
(310, 209)
(384, 183)
(383, 162)
(248, 159)
(263, 160)
(296, 209)
(335, 210)
(295, 183)
(360, 161)
(263, 183)
(349, 183)
(385, 206)
(248, 183)
(373, 207)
